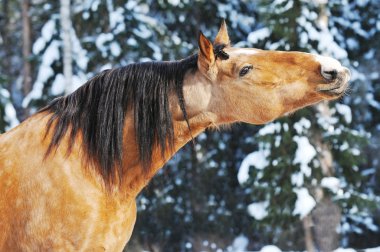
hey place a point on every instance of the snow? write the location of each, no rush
(297, 179)
(321, 1)
(344, 146)
(286, 127)
(101, 40)
(78, 80)
(95, 5)
(362, 3)
(345, 111)
(239, 244)
(277, 141)
(281, 9)
(117, 20)
(329, 46)
(10, 112)
(331, 183)
(105, 67)
(304, 203)
(157, 55)
(302, 126)
(142, 32)
(45, 71)
(47, 33)
(39, 45)
(131, 42)
(4, 93)
(257, 159)
(355, 151)
(368, 222)
(86, 15)
(345, 250)
(130, 4)
(79, 54)
(10, 116)
(258, 35)
(273, 248)
(51, 54)
(352, 44)
(174, 2)
(48, 30)
(136, 7)
(377, 249)
(325, 39)
(368, 172)
(58, 86)
(304, 154)
(115, 49)
(176, 40)
(258, 210)
(270, 248)
(372, 101)
(270, 128)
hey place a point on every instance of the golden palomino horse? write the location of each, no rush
(70, 174)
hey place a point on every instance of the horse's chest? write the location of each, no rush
(114, 227)
(101, 229)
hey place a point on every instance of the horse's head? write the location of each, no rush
(257, 86)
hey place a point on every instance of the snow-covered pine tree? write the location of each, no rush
(357, 29)
(312, 150)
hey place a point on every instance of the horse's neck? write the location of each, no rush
(197, 97)
(134, 177)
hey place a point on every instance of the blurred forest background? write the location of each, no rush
(310, 181)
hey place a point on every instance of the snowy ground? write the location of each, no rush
(241, 242)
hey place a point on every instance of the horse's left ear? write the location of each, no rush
(222, 37)
(206, 57)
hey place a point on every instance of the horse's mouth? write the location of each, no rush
(338, 87)
(335, 90)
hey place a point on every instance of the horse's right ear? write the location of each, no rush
(206, 57)
(222, 37)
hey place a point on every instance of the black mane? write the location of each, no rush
(98, 109)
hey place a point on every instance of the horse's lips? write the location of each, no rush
(336, 91)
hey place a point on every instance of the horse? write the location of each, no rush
(70, 173)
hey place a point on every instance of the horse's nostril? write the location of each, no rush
(330, 75)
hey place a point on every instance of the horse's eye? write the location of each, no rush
(245, 70)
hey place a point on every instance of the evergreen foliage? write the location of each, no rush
(238, 188)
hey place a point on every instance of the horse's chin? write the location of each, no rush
(335, 92)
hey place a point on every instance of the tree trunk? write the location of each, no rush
(4, 23)
(66, 27)
(26, 47)
(26, 52)
(307, 224)
(326, 218)
(326, 215)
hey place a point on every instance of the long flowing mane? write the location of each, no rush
(98, 109)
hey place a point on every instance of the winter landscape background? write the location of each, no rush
(310, 181)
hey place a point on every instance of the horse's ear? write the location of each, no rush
(222, 37)
(206, 57)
